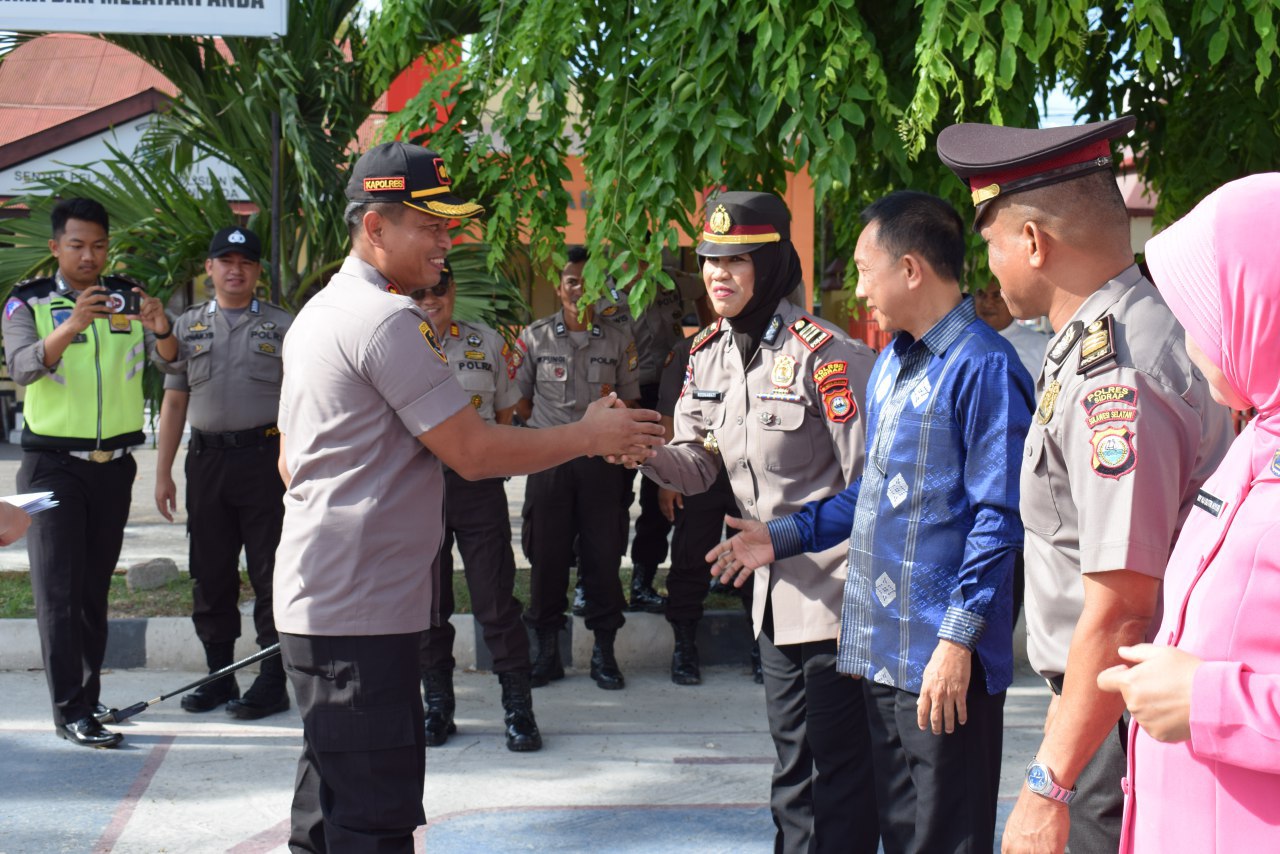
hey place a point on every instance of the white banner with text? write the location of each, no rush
(157, 17)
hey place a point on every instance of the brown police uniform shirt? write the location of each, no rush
(789, 429)
(1124, 433)
(563, 373)
(364, 514)
(655, 331)
(231, 370)
(481, 360)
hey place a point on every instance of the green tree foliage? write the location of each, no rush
(323, 80)
(666, 100)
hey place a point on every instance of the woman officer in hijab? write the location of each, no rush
(1204, 747)
(775, 397)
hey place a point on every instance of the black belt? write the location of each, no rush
(200, 440)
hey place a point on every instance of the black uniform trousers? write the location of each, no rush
(235, 499)
(73, 549)
(699, 527)
(937, 793)
(579, 499)
(823, 794)
(360, 776)
(649, 547)
(477, 515)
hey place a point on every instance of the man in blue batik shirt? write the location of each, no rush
(933, 528)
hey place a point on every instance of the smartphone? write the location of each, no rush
(124, 302)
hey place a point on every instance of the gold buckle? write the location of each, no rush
(101, 456)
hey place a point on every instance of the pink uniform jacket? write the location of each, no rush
(1219, 269)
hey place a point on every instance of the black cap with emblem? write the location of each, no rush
(236, 239)
(742, 222)
(997, 161)
(411, 174)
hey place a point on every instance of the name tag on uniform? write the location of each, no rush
(1210, 504)
(708, 394)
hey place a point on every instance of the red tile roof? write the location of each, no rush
(37, 92)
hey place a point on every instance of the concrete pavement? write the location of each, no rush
(653, 768)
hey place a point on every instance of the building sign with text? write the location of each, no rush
(164, 17)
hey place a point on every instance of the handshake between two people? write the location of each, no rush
(619, 432)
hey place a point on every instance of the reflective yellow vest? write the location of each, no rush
(95, 397)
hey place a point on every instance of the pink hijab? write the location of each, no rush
(1218, 268)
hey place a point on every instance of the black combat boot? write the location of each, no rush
(643, 596)
(757, 672)
(546, 658)
(604, 666)
(266, 696)
(209, 696)
(684, 658)
(437, 690)
(517, 702)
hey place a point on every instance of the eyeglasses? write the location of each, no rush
(439, 289)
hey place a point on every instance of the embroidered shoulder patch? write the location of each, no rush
(1113, 452)
(811, 335)
(839, 404)
(705, 335)
(1110, 403)
(430, 336)
(11, 306)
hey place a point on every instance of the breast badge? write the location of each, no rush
(1044, 412)
(477, 401)
(1113, 452)
(783, 378)
(711, 443)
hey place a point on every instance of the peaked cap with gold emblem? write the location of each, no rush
(741, 222)
(996, 161)
(416, 176)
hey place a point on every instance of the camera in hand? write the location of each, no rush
(124, 302)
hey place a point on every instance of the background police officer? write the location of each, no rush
(656, 330)
(477, 516)
(79, 347)
(567, 361)
(227, 386)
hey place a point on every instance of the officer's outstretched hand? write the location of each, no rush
(14, 522)
(616, 431)
(736, 558)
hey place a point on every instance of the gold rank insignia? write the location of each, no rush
(711, 443)
(719, 221)
(269, 349)
(784, 371)
(1048, 400)
(1098, 344)
(198, 327)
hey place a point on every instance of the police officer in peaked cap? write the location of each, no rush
(1123, 435)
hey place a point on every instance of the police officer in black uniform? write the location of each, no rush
(227, 385)
(477, 517)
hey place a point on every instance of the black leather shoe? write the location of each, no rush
(643, 596)
(547, 665)
(266, 696)
(437, 690)
(604, 666)
(517, 701)
(579, 600)
(87, 732)
(209, 696)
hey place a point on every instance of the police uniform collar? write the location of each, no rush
(361, 269)
(61, 284)
(772, 338)
(1100, 301)
(254, 306)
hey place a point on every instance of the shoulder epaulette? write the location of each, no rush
(1098, 346)
(811, 335)
(37, 280)
(705, 335)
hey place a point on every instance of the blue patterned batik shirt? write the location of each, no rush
(934, 517)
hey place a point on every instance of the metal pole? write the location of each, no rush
(275, 208)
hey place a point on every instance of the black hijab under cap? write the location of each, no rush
(759, 225)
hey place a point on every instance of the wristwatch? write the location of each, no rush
(1040, 780)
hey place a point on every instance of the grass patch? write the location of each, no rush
(174, 599)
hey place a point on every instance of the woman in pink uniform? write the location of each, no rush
(1204, 767)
